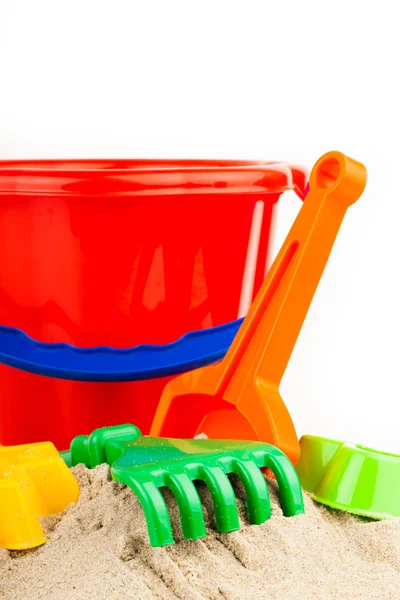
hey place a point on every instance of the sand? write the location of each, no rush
(98, 548)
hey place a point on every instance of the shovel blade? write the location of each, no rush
(181, 416)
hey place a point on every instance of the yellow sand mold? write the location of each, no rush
(34, 482)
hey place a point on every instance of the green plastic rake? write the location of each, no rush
(146, 464)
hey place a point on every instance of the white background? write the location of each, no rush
(225, 79)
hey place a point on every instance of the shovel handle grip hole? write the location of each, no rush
(328, 173)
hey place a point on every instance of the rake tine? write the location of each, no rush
(289, 485)
(223, 496)
(155, 510)
(257, 496)
(189, 503)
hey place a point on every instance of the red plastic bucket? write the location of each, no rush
(120, 253)
(34, 408)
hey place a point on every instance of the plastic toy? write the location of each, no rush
(77, 405)
(122, 253)
(127, 252)
(239, 398)
(145, 464)
(350, 477)
(34, 481)
(102, 364)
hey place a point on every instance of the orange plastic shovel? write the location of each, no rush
(239, 397)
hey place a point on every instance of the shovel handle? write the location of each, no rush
(265, 341)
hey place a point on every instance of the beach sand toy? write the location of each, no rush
(239, 398)
(350, 477)
(146, 464)
(124, 252)
(34, 481)
(120, 253)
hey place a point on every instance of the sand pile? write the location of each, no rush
(98, 549)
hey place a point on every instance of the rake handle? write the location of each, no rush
(265, 341)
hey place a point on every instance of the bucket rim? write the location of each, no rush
(102, 177)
